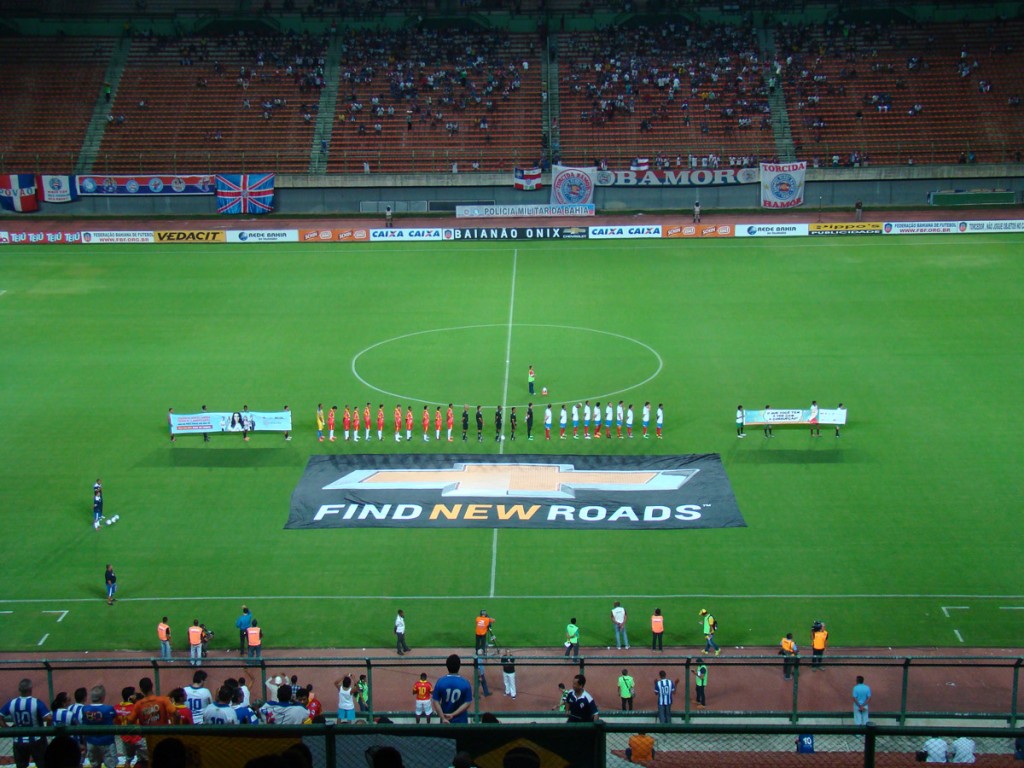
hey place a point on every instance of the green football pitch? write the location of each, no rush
(905, 531)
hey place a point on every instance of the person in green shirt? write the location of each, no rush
(710, 627)
(626, 688)
(572, 639)
(702, 682)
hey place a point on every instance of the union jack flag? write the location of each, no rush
(245, 193)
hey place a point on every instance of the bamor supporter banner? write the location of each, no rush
(145, 184)
(572, 186)
(782, 184)
(681, 177)
(794, 416)
(57, 189)
(230, 421)
(523, 491)
(518, 211)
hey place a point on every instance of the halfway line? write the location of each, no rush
(508, 347)
(504, 399)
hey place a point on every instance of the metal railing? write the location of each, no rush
(973, 688)
(594, 745)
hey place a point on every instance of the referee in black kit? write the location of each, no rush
(529, 421)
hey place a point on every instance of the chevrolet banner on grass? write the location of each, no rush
(230, 421)
(801, 417)
(523, 491)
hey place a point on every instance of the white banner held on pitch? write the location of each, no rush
(230, 421)
(782, 184)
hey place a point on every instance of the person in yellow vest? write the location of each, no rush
(819, 639)
(195, 644)
(163, 633)
(255, 637)
(789, 652)
(657, 630)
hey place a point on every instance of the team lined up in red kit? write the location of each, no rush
(357, 424)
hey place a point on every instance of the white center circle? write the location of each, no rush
(602, 362)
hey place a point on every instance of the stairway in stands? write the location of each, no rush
(98, 122)
(552, 105)
(320, 151)
(784, 146)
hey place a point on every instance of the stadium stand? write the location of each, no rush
(49, 87)
(201, 103)
(423, 100)
(676, 91)
(938, 93)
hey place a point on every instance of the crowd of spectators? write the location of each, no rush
(852, 69)
(278, 64)
(437, 80)
(673, 73)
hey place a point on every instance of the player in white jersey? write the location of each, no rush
(608, 420)
(547, 423)
(586, 420)
(198, 697)
(220, 712)
(575, 421)
(645, 417)
(597, 419)
(629, 421)
(618, 419)
(563, 420)
(659, 420)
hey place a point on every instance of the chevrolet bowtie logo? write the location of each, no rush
(550, 481)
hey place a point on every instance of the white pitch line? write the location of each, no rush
(504, 398)
(494, 560)
(1001, 608)
(958, 635)
(661, 596)
(947, 608)
(59, 618)
(508, 360)
(44, 639)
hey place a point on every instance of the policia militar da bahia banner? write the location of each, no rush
(522, 491)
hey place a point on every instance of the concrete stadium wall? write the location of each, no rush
(876, 192)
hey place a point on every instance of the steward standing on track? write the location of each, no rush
(788, 651)
(483, 623)
(819, 639)
(657, 630)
